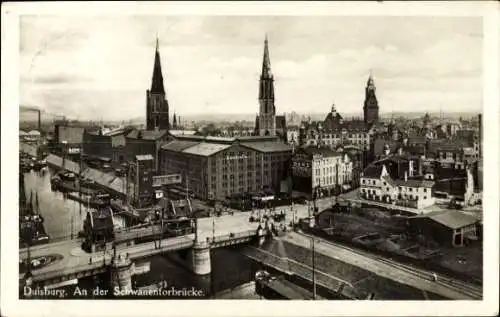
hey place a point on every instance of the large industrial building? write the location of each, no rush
(215, 168)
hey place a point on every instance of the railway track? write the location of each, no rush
(465, 288)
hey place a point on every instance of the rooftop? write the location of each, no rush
(414, 183)
(325, 151)
(373, 171)
(147, 134)
(206, 149)
(452, 219)
(268, 146)
(178, 145)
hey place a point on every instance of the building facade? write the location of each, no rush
(321, 170)
(156, 103)
(377, 185)
(214, 168)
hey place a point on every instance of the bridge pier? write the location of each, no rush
(200, 261)
(121, 272)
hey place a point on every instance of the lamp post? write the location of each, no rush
(313, 268)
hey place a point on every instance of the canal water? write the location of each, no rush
(64, 218)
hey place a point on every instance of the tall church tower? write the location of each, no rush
(267, 111)
(156, 103)
(370, 108)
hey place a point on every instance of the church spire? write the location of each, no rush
(266, 61)
(157, 81)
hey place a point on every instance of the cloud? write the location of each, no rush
(103, 65)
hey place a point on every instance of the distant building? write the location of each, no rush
(143, 142)
(108, 146)
(321, 170)
(141, 176)
(22, 135)
(215, 167)
(68, 140)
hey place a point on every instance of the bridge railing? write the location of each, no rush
(67, 271)
(233, 236)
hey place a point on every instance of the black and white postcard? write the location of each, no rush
(335, 155)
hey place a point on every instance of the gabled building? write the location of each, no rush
(377, 185)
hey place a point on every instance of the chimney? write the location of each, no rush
(40, 121)
(406, 176)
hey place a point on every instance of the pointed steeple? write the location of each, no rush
(157, 81)
(266, 61)
(370, 83)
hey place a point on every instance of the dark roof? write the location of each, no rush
(325, 151)
(379, 146)
(102, 218)
(414, 183)
(373, 171)
(389, 180)
(452, 219)
(267, 146)
(147, 134)
(178, 145)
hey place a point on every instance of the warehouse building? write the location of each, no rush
(215, 168)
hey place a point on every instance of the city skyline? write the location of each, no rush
(90, 67)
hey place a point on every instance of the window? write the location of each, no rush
(425, 197)
(425, 191)
(385, 184)
(374, 182)
(411, 189)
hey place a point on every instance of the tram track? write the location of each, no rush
(465, 288)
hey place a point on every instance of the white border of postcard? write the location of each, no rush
(11, 306)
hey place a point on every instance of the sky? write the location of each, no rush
(100, 67)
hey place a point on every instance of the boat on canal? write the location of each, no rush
(31, 223)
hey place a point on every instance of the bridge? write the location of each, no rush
(74, 263)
